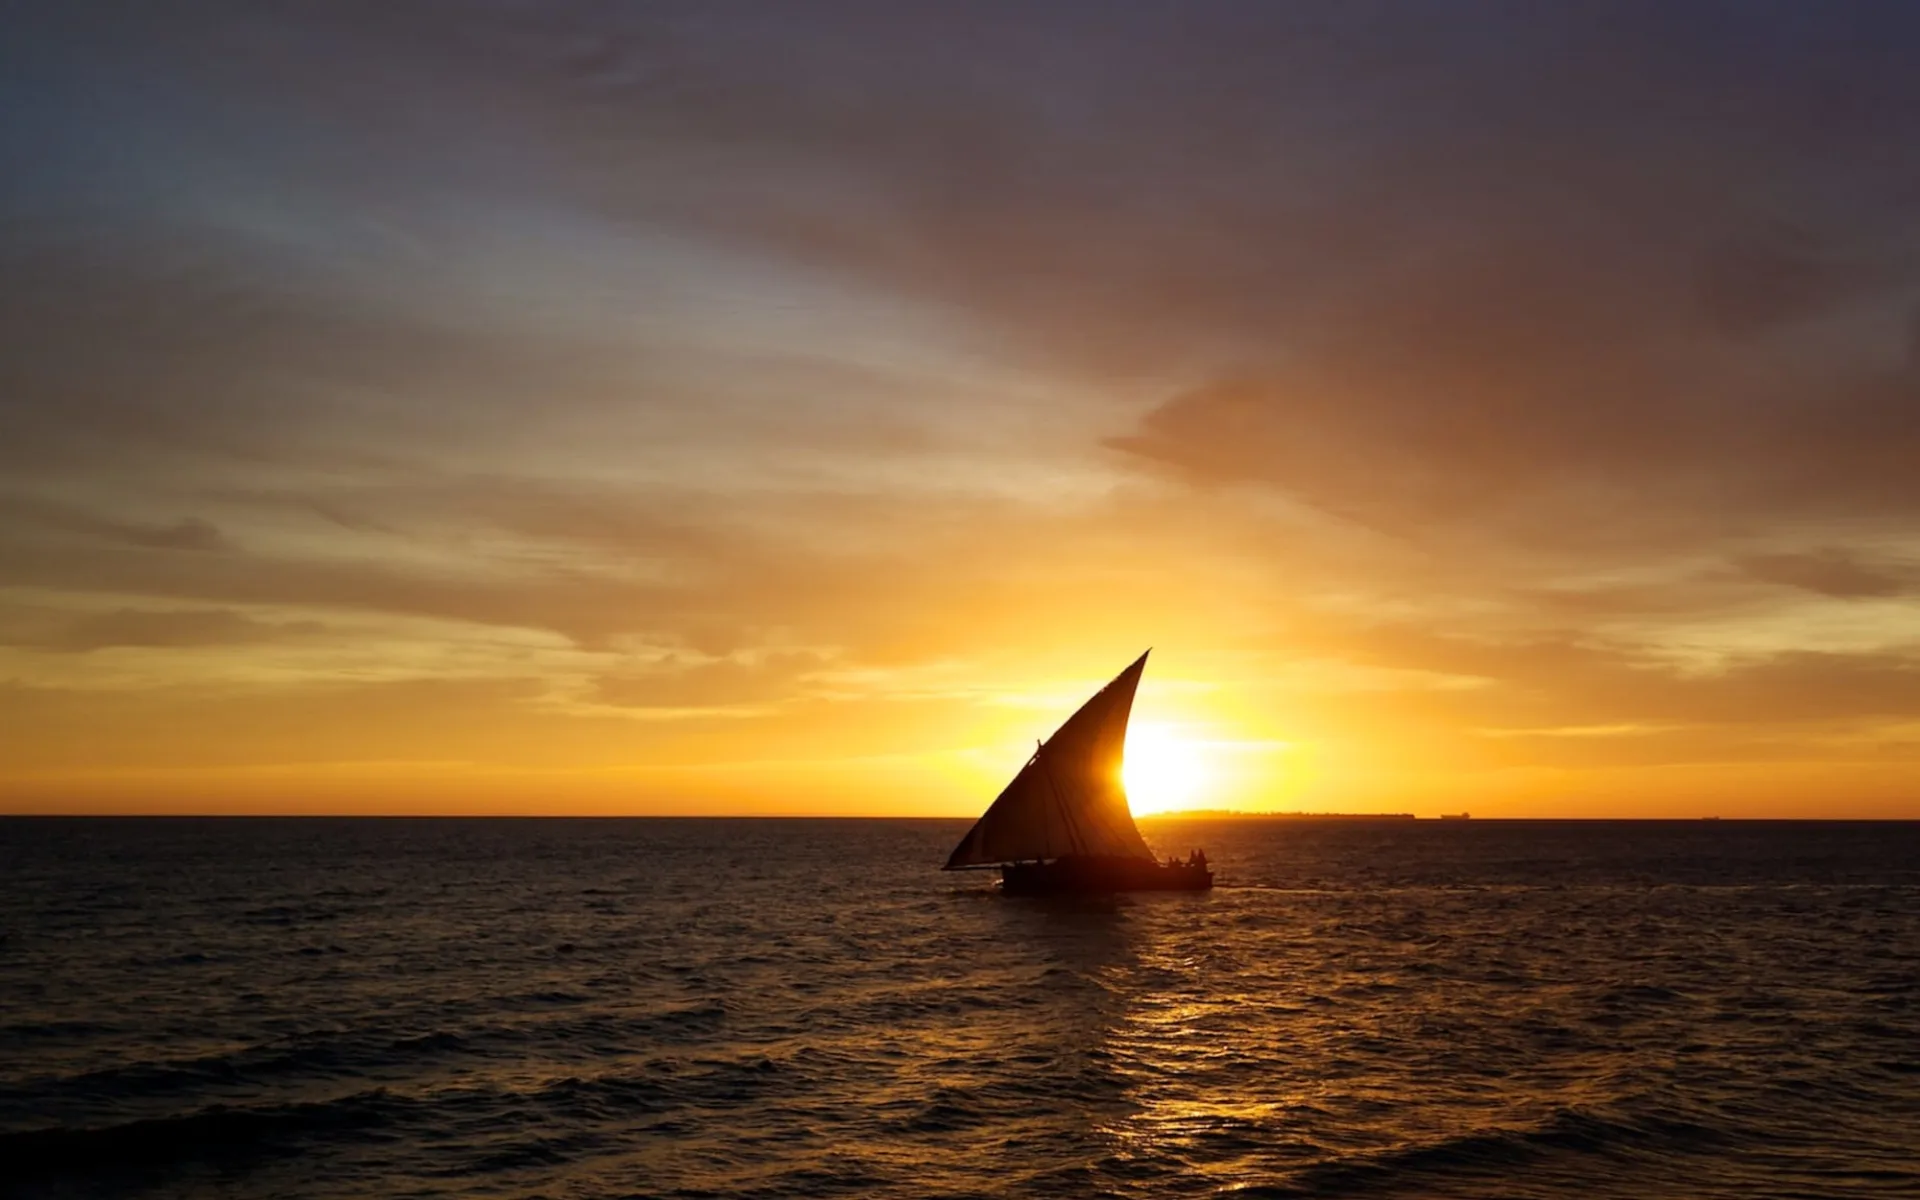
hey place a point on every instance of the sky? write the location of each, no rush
(581, 407)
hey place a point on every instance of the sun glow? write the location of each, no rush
(1164, 771)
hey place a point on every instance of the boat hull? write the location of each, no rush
(1086, 875)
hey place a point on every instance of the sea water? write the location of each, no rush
(390, 1008)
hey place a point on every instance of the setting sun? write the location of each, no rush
(1164, 771)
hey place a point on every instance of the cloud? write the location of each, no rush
(586, 606)
(1563, 681)
(187, 533)
(1530, 356)
(1832, 572)
(1768, 279)
(679, 684)
(1401, 271)
(172, 628)
(1661, 291)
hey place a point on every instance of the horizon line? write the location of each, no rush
(748, 816)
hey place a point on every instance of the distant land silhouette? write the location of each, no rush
(1277, 816)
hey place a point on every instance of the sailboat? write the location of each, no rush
(1063, 824)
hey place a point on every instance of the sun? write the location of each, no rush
(1163, 771)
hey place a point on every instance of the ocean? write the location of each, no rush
(800, 1008)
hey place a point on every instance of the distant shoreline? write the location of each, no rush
(1194, 814)
(1237, 815)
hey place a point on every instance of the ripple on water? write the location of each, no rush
(809, 1009)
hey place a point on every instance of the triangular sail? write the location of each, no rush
(1068, 799)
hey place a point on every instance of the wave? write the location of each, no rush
(55, 1030)
(533, 1153)
(218, 1132)
(351, 1054)
(1496, 1153)
(234, 1134)
(266, 1064)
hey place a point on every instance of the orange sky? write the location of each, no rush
(801, 413)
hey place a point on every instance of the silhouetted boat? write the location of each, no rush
(1063, 824)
